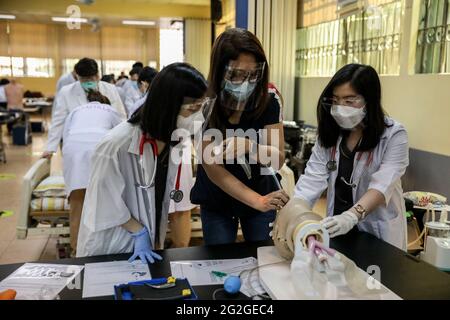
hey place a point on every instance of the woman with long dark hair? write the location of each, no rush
(360, 156)
(135, 173)
(248, 114)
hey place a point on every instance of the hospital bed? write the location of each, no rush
(31, 222)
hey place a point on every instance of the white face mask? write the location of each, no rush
(193, 123)
(348, 117)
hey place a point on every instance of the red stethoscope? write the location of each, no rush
(332, 164)
(176, 194)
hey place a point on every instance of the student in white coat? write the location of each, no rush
(360, 156)
(65, 80)
(75, 95)
(145, 79)
(131, 89)
(136, 170)
(84, 128)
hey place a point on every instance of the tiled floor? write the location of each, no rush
(20, 159)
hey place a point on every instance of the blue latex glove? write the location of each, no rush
(143, 247)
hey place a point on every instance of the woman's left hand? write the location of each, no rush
(340, 224)
(236, 147)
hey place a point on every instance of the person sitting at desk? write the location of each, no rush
(14, 92)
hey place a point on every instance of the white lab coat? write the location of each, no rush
(121, 94)
(71, 97)
(139, 103)
(112, 197)
(3, 94)
(186, 177)
(83, 130)
(132, 95)
(65, 80)
(390, 160)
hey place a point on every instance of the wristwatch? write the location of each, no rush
(361, 211)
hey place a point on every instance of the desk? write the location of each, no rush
(6, 117)
(406, 276)
(37, 105)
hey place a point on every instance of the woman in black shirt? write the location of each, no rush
(248, 112)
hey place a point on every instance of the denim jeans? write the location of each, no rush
(221, 228)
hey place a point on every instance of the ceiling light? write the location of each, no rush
(69, 19)
(7, 16)
(139, 22)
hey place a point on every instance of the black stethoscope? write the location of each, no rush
(176, 194)
(332, 164)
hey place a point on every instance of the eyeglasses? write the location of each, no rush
(355, 102)
(239, 76)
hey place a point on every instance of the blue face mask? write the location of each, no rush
(241, 92)
(135, 85)
(89, 85)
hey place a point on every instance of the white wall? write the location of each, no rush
(420, 102)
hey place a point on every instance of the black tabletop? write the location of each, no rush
(403, 274)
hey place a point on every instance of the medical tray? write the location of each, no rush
(155, 289)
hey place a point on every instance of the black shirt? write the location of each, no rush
(162, 167)
(343, 199)
(211, 197)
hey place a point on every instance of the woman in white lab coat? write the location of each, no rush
(85, 126)
(360, 156)
(136, 170)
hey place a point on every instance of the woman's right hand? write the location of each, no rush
(273, 201)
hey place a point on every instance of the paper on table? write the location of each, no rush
(207, 272)
(35, 281)
(100, 278)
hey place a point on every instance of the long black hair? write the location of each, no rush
(228, 46)
(365, 81)
(158, 116)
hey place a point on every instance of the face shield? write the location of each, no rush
(193, 120)
(194, 114)
(239, 84)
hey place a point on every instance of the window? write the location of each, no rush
(17, 67)
(369, 37)
(26, 67)
(39, 67)
(69, 64)
(5, 66)
(116, 67)
(433, 38)
(171, 46)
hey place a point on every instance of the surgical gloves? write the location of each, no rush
(340, 224)
(143, 247)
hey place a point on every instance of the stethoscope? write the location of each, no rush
(176, 194)
(332, 164)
